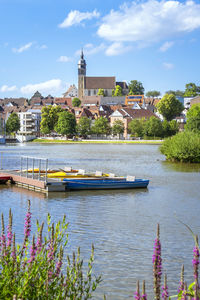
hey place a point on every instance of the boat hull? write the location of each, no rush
(104, 184)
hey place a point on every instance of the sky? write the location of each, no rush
(154, 42)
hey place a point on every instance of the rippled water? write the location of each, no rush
(121, 224)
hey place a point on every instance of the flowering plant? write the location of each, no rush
(35, 270)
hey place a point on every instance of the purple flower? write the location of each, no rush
(157, 264)
(9, 236)
(33, 250)
(165, 293)
(137, 296)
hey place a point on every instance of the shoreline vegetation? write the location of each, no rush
(54, 141)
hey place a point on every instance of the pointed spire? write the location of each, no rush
(82, 55)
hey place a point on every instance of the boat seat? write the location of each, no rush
(130, 178)
(68, 169)
(82, 172)
(111, 175)
(98, 173)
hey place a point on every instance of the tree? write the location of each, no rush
(193, 118)
(66, 124)
(153, 94)
(169, 128)
(83, 126)
(117, 91)
(135, 88)
(169, 107)
(177, 93)
(191, 90)
(118, 127)
(153, 127)
(13, 123)
(49, 119)
(101, 126)
(136, 127)
(101, 92)
(76, 102)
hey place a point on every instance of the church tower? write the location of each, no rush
(81, 76)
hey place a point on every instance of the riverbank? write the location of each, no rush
(54, 141)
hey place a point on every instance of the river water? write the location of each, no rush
(120, 223)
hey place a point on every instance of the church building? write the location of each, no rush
(89, 86)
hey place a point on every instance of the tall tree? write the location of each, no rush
(136, 127)
(153, 127)
(117, 91)
(118, 127)
(177, 93)
(84, 126)
(13, 123)
(135, 88)
(193, 118)
(101, 92)
(49, 119)
(169, 107)
(76, 102)
(153, 94)
(66, 124)
(191, 90)
(101, 126)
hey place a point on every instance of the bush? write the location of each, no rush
(183, 147)
(35, 270)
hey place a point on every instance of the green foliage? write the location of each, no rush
(169, 107)
(135, 88)
(191, 90)
(183, 147)
(76, 102)
(49, 119)
(66, 124)
(136, 127)
(153, 127)
(193, 118)
(118, 127)
(13, 123)
(153, 94)
(169, 128)
(101, 92)
(117, 91)
(83, 127)
(177, 93)
(37, 270)
(101, 126)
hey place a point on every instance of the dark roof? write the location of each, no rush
(123, 84)
(99, 82)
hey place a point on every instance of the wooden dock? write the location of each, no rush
(36, 184)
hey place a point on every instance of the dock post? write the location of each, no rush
(21, 167)
(27, 167)
(39, 167)
(33, 168)
(1, 159)
(46, 170)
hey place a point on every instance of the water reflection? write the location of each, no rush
(181, 167)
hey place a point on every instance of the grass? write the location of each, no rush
(97, 141)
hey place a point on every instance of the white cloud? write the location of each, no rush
(51, 86)
(42, 47)
(90, 49)
(150, 21)
(168, 66)
(64, 59)
(76, 17)
(23, 48)
(6, 88)
(116, 49)
(166, 46)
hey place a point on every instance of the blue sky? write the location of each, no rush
(155, 42)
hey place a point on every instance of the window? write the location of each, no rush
(89, 93)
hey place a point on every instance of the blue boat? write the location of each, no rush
(102, 184)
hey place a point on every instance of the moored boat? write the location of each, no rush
(104, 183)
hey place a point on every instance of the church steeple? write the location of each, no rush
(82, 65)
